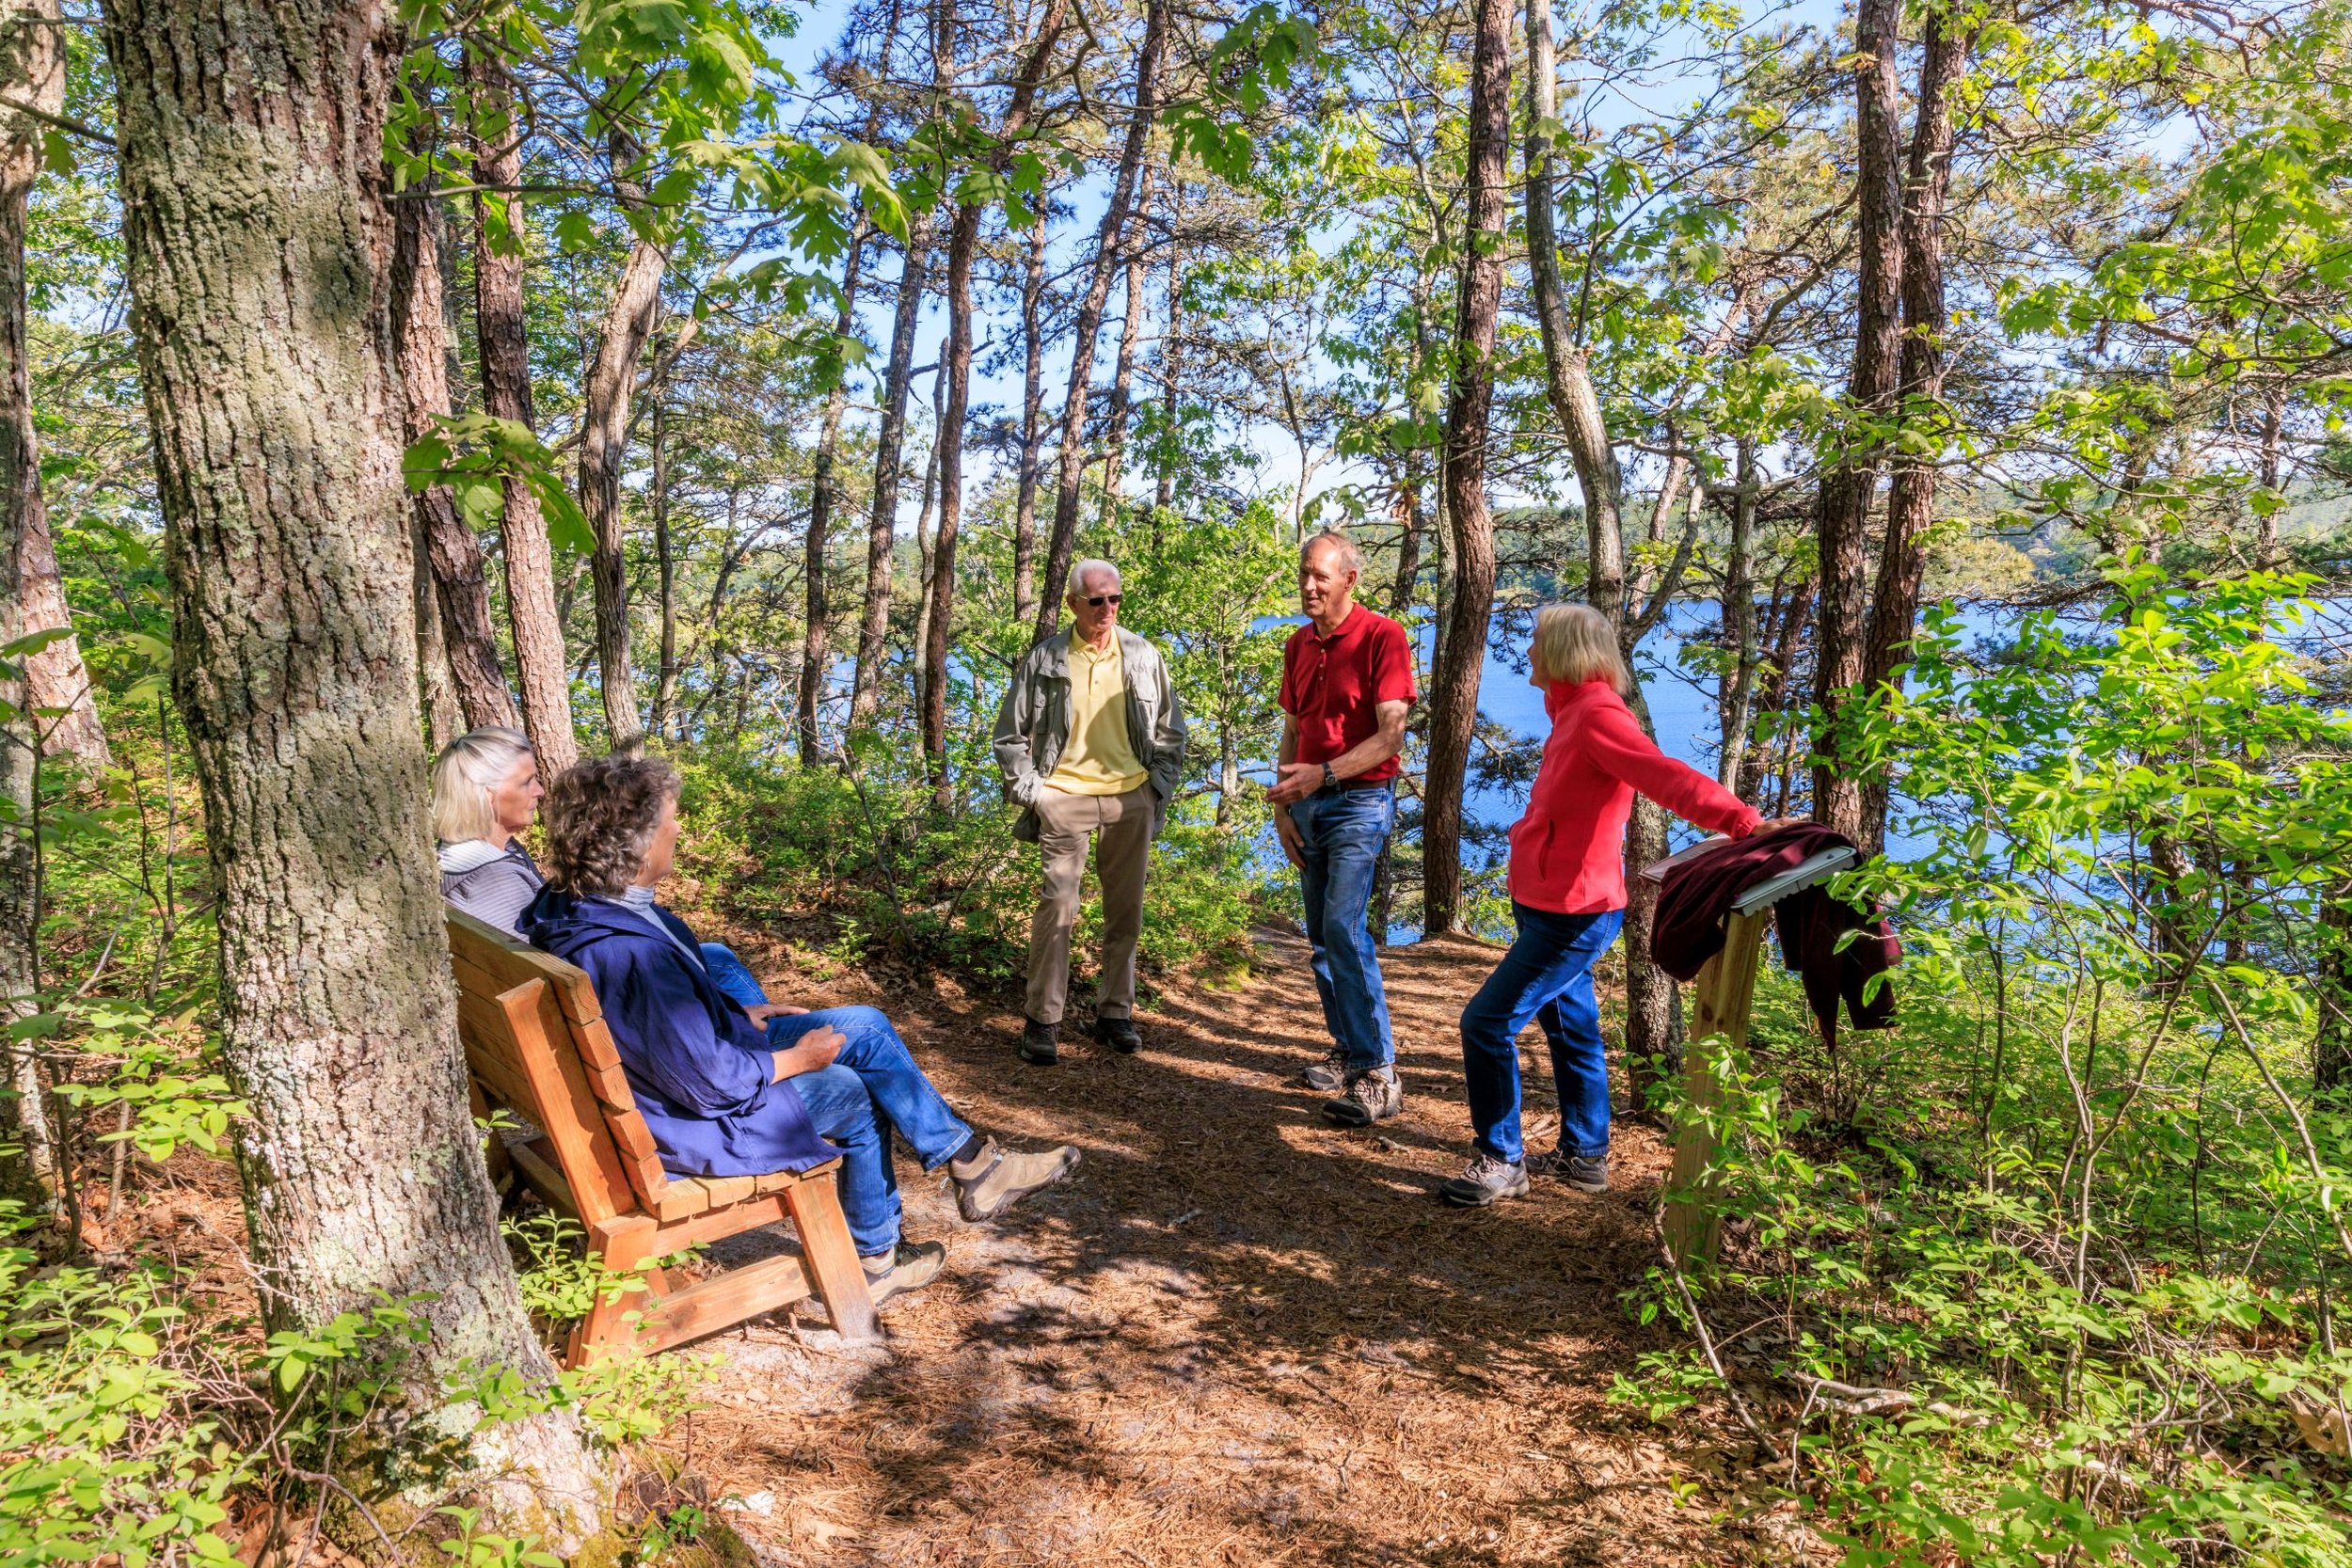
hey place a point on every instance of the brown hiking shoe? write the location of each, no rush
(908, 1267)
(997, 1178)
(1586, 1173)
(1372, 1095)
(1328, 1076)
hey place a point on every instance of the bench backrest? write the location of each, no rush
(537, 1039)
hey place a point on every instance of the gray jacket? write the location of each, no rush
(495, 891)
(1033, 724)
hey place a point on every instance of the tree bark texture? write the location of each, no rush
(32, 600)
(2331, 1056)
(1130, 334)
(665, 564)
(1171, 354)
(940, 604)
(1032, 420)
(1737, 691)
(1850, 479)
(1070, 475)
(824, 486)
(460, 584)
(437, 688)
(503, 342)
(57, 684)
(1568, 378)
(603, 451)
(1454, 685)
(1410, 525)
(1911, 495)
(258, 251)
(941, 601)
(889, 444)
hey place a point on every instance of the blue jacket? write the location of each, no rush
(701, 1070)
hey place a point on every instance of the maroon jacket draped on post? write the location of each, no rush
(1699, 892)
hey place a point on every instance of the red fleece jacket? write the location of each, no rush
(1567, 853)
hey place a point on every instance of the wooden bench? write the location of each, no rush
(537, 1043)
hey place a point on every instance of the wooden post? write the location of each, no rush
(1727, 989)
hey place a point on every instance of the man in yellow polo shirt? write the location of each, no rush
(1091, 742)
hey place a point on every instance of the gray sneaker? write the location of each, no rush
(1585, 1173)
(1372, 1095)
(910, 1266)
(1485, 1179)
(1328, 1076)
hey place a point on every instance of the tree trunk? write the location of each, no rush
(1071, 474)
(505, 346)
(2331, 1064)
(261, 315)
(1032, 419)
(1171, 355)
(33, 72)
(32, 600)
(1911, 498)
(1130, 333)
(823, 499)
(940, 602)
(882, 529)
(603, 451)
(1850, 477)
(665, 563)
(460, 601)
(1568, 379)
(1411, 524)
(924, 579)
(1454, 685)
(939, 605)
(437, 688)
(1737, 689)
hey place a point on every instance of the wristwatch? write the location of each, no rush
(1330, 780)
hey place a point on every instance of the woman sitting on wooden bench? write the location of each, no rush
(486, 794)
(730, 1090)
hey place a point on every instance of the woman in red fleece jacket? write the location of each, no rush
(1567, 896)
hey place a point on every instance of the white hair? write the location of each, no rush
(1090, 567)
(468, 769)
(1350, 557)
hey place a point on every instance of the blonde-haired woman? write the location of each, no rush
(485, 792)
(485, 796)
(1567, 898)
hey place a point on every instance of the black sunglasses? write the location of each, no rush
(1099, 600)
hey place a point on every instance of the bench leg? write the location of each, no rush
(612, 1323)
(832, 1256)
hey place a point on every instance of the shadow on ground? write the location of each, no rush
(1240, 1335)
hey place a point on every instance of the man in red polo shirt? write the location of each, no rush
(1347, 684)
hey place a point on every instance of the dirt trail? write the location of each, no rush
(1240, 1336)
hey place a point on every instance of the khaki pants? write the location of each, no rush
(1064, 824)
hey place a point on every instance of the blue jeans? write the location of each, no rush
(732, 976)
(1341, 832)
(871, 1088)
(1546, 976)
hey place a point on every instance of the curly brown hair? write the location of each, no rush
(600, 816)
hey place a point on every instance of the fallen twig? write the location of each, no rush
(1707, 1340)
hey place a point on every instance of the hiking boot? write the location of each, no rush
(1118, 1033)
(1485, 1179)
(1040, 1043)
(1372, 1095)
(1586, 1173)
(908, 1267)
(997, 1178)
(1328, 1076)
